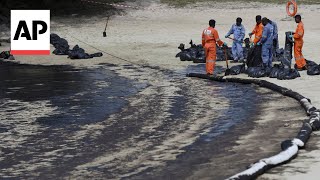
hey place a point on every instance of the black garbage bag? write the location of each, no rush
(254, 58)
(54, 38)
(194, 53)
(178, 55)
(274, 72)
(278, 54)
(311, 63)
(60, 44)
(287, 74)
(313, 70)
(184, 55)
(288, 46)
(281, 72)
(201, 54)
(258, 72)
(221, 54)
(79, 53)
(200, 60)
(285, 63)
(245, 52)
(238, 69)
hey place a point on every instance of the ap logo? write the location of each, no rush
(30, 32)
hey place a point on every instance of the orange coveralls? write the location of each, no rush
(257, 31)
(210, 38)
(298, 44)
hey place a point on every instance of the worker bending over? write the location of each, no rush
(210, 39)
(267, 43)
(238, 32)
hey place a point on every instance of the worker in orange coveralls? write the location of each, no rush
(210, 38)
(298, 44)
(257, 31)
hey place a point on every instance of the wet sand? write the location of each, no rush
(149, 37)
(177, 128)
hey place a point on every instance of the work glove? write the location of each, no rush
(226, 36)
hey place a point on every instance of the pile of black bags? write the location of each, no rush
(196, 53)
(62, 48)
(278, 71)
(61, 45)
(313, 68)
(79, 53)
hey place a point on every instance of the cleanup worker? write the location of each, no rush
(257, 31)
(210, 38)
(298, 44)
(238, 32)
(275, 37)
(267, 43)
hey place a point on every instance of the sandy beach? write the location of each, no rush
(150, 35)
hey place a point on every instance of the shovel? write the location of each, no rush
(105, 29)
(228, 71)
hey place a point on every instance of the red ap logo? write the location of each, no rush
(30, 32)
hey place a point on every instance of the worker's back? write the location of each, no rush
(209, 37)
(257, 31)
(267, 35)
(298, 36)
